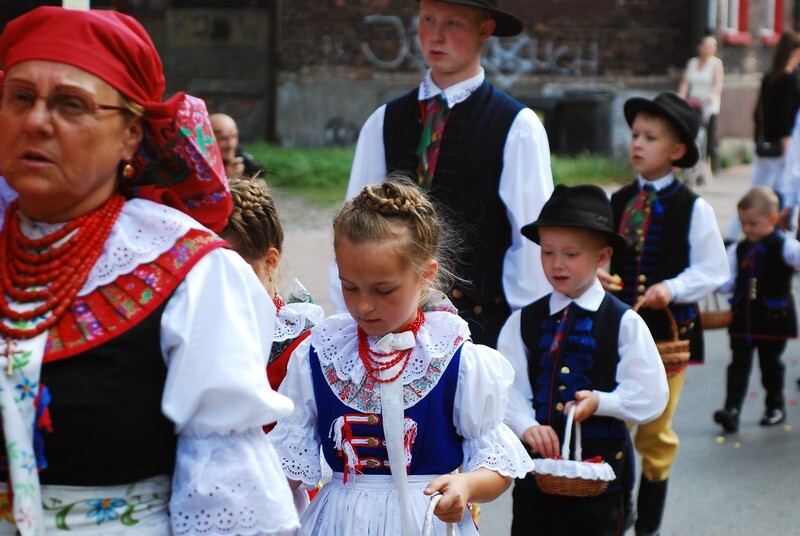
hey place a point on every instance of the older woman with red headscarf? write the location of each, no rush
(132, 344)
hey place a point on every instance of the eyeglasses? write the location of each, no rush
(69, 104)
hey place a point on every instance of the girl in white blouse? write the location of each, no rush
(395, 393)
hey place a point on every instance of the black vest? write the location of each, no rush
(763, 302)
(588, 359)
(665, 255)
(467, 176)
(110, 395)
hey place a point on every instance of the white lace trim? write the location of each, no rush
(213, 496)
(291, 320)
(143, 231)
(574, 469)
(298, 451)
(336, 342)
(497, 449)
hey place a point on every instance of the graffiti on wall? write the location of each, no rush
(506, 61)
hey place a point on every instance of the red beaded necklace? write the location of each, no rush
(374, 366)
(36, 270)
(279, 303)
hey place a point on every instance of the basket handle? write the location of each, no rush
(568, 436)
(427, 524)
(672, 323)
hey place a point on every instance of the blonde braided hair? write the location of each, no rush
(398, 209)
(253, 226)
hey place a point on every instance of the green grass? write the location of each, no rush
(320, 175)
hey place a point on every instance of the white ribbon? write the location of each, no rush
(393, 431)
(395, 341)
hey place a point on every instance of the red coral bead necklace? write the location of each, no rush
(374, 366)
(38, 270)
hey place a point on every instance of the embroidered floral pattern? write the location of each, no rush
(337, 336)
(116, 307)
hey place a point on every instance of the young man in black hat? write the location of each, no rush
(675, 256)
(476, 150)
(579, 345)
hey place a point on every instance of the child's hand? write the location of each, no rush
(481, 485)
(544, 440)
(586, 403)
(657, 297)
(455, 494)
(611, 283)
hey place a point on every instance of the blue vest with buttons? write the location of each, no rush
(436, 449)
(664, 256)
(588, 359)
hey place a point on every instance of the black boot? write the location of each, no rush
(650, 507)
(628, 513)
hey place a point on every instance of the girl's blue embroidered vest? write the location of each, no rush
(436, 449)
(110, 394)
(587, 359)
(467, 176)
(665, 254)
(762, 302)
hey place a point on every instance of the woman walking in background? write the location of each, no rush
(702, 80)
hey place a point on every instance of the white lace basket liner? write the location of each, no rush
(568, 477)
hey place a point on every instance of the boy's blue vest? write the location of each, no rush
(588, 359)
(762, 302)
(467, 176)
(664, 256)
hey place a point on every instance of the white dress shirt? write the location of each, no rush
(526, 182)
(641, 393)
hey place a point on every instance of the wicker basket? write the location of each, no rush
(674, 352)
(713, 316)
(551, 475)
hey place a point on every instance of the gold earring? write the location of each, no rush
(128, 170)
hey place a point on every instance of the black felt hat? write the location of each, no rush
(506, 24)
(582, 207)
(678, 112)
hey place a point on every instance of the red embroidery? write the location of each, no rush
(113, 309)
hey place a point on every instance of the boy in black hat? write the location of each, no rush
(477, 151)
(579, 345)
(674, 257)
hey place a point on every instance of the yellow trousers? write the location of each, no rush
(656, 441)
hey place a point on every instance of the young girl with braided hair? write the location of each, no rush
(395, 393)
(254, 231)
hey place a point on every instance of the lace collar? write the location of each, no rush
(336, 343)
(143, 231)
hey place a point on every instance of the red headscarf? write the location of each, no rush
(179, 163)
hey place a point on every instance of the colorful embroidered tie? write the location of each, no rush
(636, 218)
(558, 338)
(435, 112)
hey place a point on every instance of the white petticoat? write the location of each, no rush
(368, 505)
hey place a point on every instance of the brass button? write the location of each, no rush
(618, 455)
(642, 278)
(477, 309)
(642, 288)
(562, 387)
(457, 293)
(372, 419)
(372, 464)
(691, 325)
(372, 442)
(683, 331)
(564, 370)
(560, 406)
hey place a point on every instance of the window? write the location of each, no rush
(734, 16)
(772, 28)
